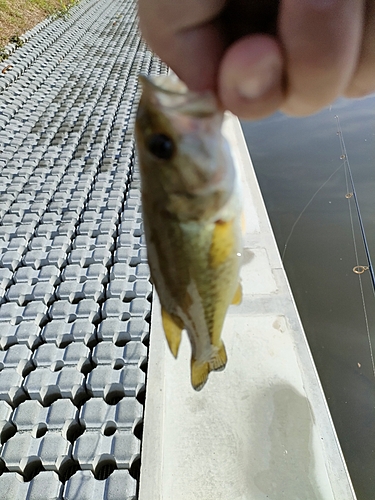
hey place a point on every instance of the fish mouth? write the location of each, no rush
(172, 95)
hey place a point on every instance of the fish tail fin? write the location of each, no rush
(219, 360)
(237, 299)
(199, 374)
(172, 329)
(200, 371)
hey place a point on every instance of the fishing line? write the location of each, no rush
(358, 269)
(306, 207)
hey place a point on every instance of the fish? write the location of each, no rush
(192, 217)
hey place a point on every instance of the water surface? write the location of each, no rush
(294, 159)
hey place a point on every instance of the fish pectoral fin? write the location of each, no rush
(219, 360)
(199, 374)
(237, 299)
(172, 329)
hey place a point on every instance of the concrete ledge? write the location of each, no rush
(260, 429)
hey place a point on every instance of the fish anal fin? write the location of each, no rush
(172, 329)
(237, 298)
(222, 242)
(219, 360)
(199, 374)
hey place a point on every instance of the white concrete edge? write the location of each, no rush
(339, 474)
(152, 440)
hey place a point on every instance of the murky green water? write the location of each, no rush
(293, 158)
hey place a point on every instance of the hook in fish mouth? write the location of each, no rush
(173, 95)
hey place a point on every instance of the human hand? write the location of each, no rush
(263, 55)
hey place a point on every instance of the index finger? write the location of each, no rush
(192, 36)
(186, 36)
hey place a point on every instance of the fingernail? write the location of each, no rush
(264, 75)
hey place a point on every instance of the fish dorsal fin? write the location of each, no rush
(172, 329)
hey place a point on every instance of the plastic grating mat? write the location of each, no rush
(75, 296)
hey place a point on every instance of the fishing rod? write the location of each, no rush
(345, 157)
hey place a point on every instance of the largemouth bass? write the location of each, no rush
(192, 217)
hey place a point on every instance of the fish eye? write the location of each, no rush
(161, 146)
